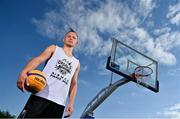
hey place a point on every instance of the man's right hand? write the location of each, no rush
(21, 80)
(33, 64)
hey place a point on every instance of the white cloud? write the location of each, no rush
(144, 7)
(163, 56)
(172, 112)
(176, 19)
(158, 47)
(175, 107)
(161, 31)
(84, 68)
(49, 25)
(150, 24)
(165, 43)
(173, 9)
(95, 25)
(174, 72)
(82, 82)
(102, 67)
(174, 14)
(169, 40)
(107, 18)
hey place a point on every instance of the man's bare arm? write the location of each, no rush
(72, 92)
(35, 62)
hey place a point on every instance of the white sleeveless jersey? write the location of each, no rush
(59, 71)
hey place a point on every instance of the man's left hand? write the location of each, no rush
(69, 111)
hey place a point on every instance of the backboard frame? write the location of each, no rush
(112, 66)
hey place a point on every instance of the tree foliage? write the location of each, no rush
(6, 114)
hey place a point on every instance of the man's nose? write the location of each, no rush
(71, 38)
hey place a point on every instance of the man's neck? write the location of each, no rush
(68, 50)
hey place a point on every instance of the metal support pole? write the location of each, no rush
(101, 96)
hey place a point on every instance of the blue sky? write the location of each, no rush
(28, 27)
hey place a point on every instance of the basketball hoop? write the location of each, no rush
(141, 73)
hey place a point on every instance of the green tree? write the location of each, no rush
(6, 114)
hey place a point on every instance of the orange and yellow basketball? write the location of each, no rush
(37, 81)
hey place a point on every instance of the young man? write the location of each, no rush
(61, 71)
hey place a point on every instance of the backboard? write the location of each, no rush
(133, 65)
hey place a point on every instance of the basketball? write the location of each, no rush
(37, 81)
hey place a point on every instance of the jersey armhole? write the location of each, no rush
(50, 56)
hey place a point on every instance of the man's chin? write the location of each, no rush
(69, 45)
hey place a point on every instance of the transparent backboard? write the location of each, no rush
(128, 62)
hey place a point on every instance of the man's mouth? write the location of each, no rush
(70, 41)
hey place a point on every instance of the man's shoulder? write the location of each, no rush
(52, 46)
(59, 47)
(75, 58)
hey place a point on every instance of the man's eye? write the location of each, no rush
(74, 37)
